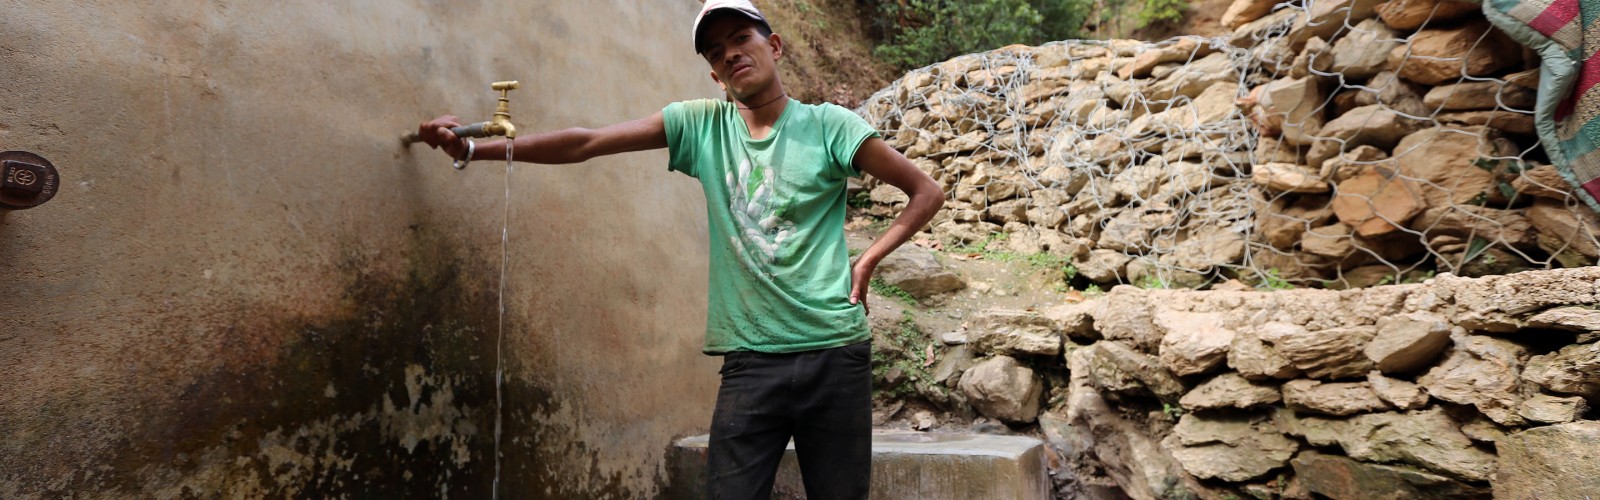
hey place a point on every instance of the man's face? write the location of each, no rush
(741, 59)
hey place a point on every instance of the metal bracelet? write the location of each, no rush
(461, 163)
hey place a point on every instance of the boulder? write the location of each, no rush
(1398, 393)
(1013, 333)
(1470, 96)
(1255, 360)
(1229, 390)
(1500, 303)
(1575, 369)
(1547, 409)
(1103, 266)
(1126, 314)
(1001, 388)
(1507, 228)
(1208, 247)
(1483, 430)
(1315, 56)
(1140, 465)
(1241, 12)
(1355, 162)
(1229, 448)
(1428, 439)
(1542, 181)
(1288, 178)
(1184, 50)
(1194, 343)
(1408, 344)
(1363, 51)
(964, 232)
(917, 271)
(1331, 353)
(1335, 398)
(1341, 478)
(1483, 372)
(1375, 125)
(1411, 14)
(1294, 107)
(1437, 56)
(1565, 230)
(1558, 461)
(1114, 368)
(1446, 162)
(1273, 150)
(1573, 318)
(1193, 78)
(1332, 15)
(1268, 27)
(1285, 220)
(1387, 88)
(1511, 122)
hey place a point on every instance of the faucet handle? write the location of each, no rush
(505, 86)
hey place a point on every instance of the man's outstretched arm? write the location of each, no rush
(573, 145)
(875, 157)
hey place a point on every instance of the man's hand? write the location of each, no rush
(860, 284)
(437, 134)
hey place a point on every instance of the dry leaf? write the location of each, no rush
(1074, 296)
(927, 360)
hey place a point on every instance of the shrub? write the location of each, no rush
(921, 32)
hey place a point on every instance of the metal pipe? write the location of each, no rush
(476, 130)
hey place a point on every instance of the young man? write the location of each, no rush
(786, 310)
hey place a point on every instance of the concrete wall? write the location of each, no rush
(245, 286)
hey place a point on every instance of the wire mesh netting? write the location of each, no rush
(1336, 144)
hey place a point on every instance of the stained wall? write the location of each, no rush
(246, 286)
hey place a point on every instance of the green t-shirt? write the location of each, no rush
(780, 270)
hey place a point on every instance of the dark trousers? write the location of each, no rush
(822, 399)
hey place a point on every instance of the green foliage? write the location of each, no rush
(1161, 11)
(1150, 281)
(1044, 261)
(891, 291)
(1093, 291)
(921, 32)
(1272, 281)
(862, 200)
(903, 349)
(1174, 412)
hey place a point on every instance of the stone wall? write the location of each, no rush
(1400, 391)
(246, 287)
(1333, 144)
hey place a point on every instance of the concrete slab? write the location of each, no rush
(905, 464)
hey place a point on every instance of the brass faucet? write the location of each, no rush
(499, 125)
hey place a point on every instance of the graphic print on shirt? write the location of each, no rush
(752, 198)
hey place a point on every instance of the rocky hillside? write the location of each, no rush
(1289, 168)
(1339, 147)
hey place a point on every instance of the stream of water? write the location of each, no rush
(499, 339)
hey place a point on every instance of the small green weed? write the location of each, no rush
(891, 291)
(1151, 282)
(1272, 281)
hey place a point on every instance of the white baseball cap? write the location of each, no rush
(740, 6)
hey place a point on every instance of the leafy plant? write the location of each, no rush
(1272, 281)
(1150, 281)
(921, 32)
(905, 349)
(891, 291)
(1161, 11)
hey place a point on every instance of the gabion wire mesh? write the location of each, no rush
(1337, 144)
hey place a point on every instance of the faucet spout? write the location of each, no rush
(500, 125)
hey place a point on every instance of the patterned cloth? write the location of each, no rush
(1566, 34)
